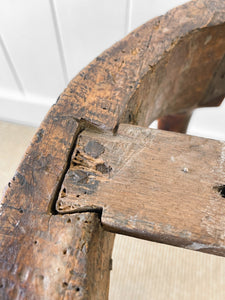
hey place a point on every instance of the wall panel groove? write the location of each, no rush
(11, 65)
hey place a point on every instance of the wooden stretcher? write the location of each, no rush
(94, 168)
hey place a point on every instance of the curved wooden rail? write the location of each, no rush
(168, 66)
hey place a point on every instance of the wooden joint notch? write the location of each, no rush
(152, 184)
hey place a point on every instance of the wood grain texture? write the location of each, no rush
(169, 65)
(166, 66)
(165, 187)
(67, 258)
(32, 240)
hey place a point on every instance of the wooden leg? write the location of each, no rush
(65, 257)
(177, 123)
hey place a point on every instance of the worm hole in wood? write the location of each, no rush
(221, 190)
(63, 193)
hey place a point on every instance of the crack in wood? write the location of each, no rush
(52, 203)
(149, 184)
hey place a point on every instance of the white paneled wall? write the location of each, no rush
(45, 43)
(143, 10)
(89, 27)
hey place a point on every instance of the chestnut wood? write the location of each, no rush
(161, 186)
(168, 66)
(171, 64)
(69, 257)
(44, 256)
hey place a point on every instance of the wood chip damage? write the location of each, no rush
(161, 186)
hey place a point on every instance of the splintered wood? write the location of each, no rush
(161, 186)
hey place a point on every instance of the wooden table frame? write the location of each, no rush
(57, 221)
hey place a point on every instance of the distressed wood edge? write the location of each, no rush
(162, 44)
(76, 267)
(170, 240)
(99, 268)
(88, 161)
(11, 233)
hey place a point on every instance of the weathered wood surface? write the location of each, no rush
(165, 187)
(68, 258)
(33, 264)
(170, 65)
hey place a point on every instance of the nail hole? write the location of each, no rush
(78, 196)
(77, 289)
(21, 210)
(35, 242)
(64, 251)
(129, 118)
(68, 221)
(65, 284)
(74, 164)
(63, 193)
(221, 190)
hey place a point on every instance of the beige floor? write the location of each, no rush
(141, 270)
